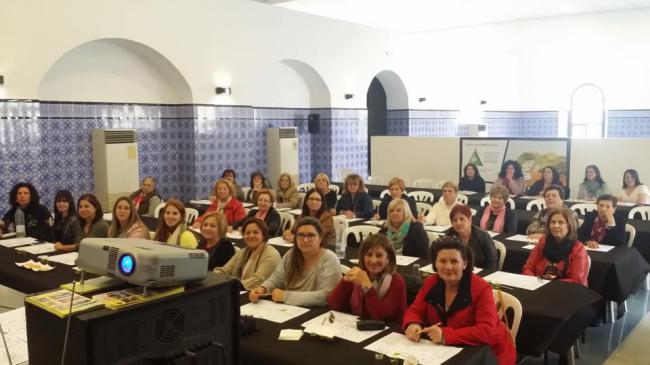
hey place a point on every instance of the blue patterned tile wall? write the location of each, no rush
(349, 141)
(323, 143)
(628, 123)
(537, 124)
(397, 122)
(433, 123)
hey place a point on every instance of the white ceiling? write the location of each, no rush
(421, 15)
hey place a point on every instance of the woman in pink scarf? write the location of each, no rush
(497, 216)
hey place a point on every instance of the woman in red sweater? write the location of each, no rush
(224, 202)
(373, 290)
(559, 254)
(456, 307)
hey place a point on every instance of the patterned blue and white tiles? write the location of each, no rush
(628, 123)
(538, 124)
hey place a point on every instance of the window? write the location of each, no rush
(587, 117)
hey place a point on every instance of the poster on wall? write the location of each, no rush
(488, 154)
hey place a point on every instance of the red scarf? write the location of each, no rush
(598, 230)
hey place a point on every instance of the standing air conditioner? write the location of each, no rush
(115, 165)
(282, 153)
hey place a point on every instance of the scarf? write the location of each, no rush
(556, 251)
(498, 223)
(175, 237)
(598, 230)
(381, 287)
(397, 236)
(222, 206)
(260, 215)
(592, 187)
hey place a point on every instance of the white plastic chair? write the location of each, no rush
(359, 232)
(375, 204)
(422, 196)
(631, 232)
(461, 198)
(424, 183)
(335, 188)
(474, 211)
(643, 211)
(433, 237)
(245, 190)
(486, 200)
(190, 215)
(538, 204)
(286, 221)
(423, 208)
(383, 193)
(502, 253)
(440, 183)
(156, 213)
(303, 188)
(505, 303)
(583, 208)
(302, 199)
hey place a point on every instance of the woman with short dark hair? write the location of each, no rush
(511, 177)
(550, 176)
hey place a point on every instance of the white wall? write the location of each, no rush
(211, 42)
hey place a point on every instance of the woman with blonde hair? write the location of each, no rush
(286, 195)
(213, 229)
(322, 184)
(225, 203)
(172, 228)
(126, 221)
(406, 234)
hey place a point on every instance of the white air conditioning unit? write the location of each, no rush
(282, 153)
(115, 165)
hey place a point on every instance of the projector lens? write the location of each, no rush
(126, 264)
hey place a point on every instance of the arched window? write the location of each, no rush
(587, 117)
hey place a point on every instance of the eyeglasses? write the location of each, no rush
(303, 236)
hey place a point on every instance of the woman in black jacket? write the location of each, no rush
(407, 235)
(471, 180)
(37, 217)
(265, 212)
(66, 227)
(396, 190)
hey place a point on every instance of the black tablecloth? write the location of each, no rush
(263, 347)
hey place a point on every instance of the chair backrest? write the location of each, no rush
(502, 253)
(461, 198)
(422, 196)
(424, 183)
(384, 192)
(486, 201)
(375, 204)
(538, 204)
(245, 190)
(423, 208)
(359, 232)
(286, 221)
(631, 233)
(433, 236)
(440, 183)
(474, 211)
(301, 200)
(644, 212)
(156, 213)
(190, 215)
(583, 208)
(335, 188)
(508, 308)
(306, 187)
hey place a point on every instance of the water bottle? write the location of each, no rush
(340, 250)
(19, 219)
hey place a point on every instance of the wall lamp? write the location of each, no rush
(349, 96)
(223, 90)
(2, 79)
(422, 100)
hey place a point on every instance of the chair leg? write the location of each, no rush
(577, 349)
(610, 310)
(570, 356)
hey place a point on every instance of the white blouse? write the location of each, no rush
(634, 197)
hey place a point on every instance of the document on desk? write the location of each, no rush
(14, 329)
(295, 211)
(439, 229)
(343, 326)
(65, 259)
(516, 280)
(373, 222)
(397, 345)
(521, 238)
(38, 249)
(601, 248)
(235, 235)
(405, 260)
(201, 202)
(16, 242)
(279, 241)
(492, 234)
(282, 209)
(270, 311)
(467, 192)
(248, 205)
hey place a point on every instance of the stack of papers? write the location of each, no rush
(270, 311)
(16, 242)
(396, 345)
(290, 335)
(517, 280)
(601, 248)
(38, 249)
(65, 259)
(343, 326)
(521, 238)
(15, 334)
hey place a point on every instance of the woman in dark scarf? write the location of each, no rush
(559, 254)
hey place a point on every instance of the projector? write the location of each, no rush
(142, 262)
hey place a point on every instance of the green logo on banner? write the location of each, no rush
(474, 159)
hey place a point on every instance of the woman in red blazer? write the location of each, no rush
(373, 290)
(224, 202)
(559, 254)
(456, 307)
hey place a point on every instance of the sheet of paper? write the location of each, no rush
(397, 345)
(15, 332)
(521, 238)
(626, 204)
(66, 259)
(270, 311)
(467, 192)
(235, 235)
(343, 326)
(38, 249)
(530, 197)
(248, 205)
(279, 241)
(601, 248)
(516, 280)
(429, 269)
(492, 234)
(290, 335)
(406, 260)
(108, 216)
(201, 202)
(282, 209)
(373, 222)
(295, 211)
(8, 234)
(438, 229)
(15, 242)
(528, 247)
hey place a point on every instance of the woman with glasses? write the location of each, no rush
(316, 206)
(307, 273)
